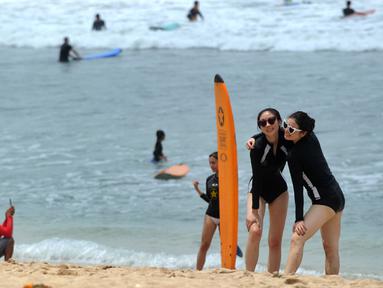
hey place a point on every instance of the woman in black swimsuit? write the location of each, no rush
(268, 158)
(309, 169)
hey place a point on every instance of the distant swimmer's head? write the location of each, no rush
(298, 125)
(348, 3)
(66, 40)
(196, 3)
(213, 161)
(98, 16)
(160, 135)
(269, 121)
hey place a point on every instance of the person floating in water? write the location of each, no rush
(65, 52)
(348, 11)
(158, 155)
(194, 12)
(98, 23)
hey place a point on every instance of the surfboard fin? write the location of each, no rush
(239, 252)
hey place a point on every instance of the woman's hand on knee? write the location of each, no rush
(300, 228)
(253, 218)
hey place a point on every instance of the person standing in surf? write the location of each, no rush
(98, 23)
(194, 12)
(268, 157)
(211, 220)
(308, 168)
(158, 155)
(65, 52)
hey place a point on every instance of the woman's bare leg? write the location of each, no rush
(208, 230)
(330, 232)
(278, 212)
(314, 219)
(255, 234)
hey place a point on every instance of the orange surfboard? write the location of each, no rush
(173, 172)
(228, 174)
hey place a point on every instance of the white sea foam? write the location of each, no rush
(57, 250)
(229, 25)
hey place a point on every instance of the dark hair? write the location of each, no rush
(348, 3)
(196, 2)
(304, 121)
(214, 155)
(273, 111)
(160, 134)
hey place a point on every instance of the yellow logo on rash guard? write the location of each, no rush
(213, 194)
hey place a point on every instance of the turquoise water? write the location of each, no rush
(77, 140)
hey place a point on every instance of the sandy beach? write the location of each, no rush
(17, 274)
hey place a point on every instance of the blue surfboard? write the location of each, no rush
(166, 27)
(107, 54)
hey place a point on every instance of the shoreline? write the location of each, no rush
(133, 50)
(17, 274)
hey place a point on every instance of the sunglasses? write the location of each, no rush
(291, 130)
(263, 122)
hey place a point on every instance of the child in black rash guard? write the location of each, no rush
(309, 169)
(211, 220)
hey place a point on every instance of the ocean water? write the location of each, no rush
(77, 139)
(244, 25)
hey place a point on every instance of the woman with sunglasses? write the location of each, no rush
(268, 157)
(309, 169)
